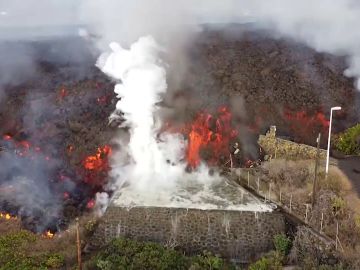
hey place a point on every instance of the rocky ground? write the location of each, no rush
(270, 76)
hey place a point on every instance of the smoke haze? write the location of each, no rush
(323, 25)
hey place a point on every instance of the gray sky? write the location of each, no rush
(21, 13)
(326, 25)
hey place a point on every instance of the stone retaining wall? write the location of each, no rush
(236, 235)
(281, 148)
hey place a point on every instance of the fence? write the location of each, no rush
(252, 180)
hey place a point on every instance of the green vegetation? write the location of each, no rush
(271, 261)
(14, 257)
(274, 260)
(282, 244)
(348, 141)
(127, 254)
(338, 205)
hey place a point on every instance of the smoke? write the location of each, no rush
(27, 191)
(22, 15)
(25, 26)
(323, 25)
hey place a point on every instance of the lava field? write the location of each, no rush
(57, 141)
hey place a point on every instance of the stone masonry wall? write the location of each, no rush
(241, 236)
(287, 149)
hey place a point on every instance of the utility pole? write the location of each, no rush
(316, 169)
(78, 244)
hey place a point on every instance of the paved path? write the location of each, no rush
(351, 167)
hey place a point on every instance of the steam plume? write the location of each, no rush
(143, 80)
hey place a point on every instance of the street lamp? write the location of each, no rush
(328, 147)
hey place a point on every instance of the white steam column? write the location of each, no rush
(329, 138)
(149, 169)
(141, 80)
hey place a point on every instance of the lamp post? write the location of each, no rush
(329, 138)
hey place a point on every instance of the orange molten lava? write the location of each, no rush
(23, 148)
(99, 161)
(304, 124)
(212, 134)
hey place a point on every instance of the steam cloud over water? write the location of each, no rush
(143, 80)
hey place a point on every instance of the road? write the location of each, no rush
(351, 167)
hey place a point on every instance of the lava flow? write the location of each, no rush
(96, 165)
(303, 124)
(23, 148)
(99, 161)
(210, 134)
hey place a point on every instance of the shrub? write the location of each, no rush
(14, 255)
(55, 261)
(348, 141)
(333, 182)
(10, 249)
(331, 267)
(207, 261)
(357, 222)
(282, 244)
(90, 227)
(338, 205)
(127, 254)
(272, 261)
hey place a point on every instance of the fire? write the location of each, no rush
(211, 134)
(304, 124)
(7, 137)
(99, 161)
(70, 149)
(63, 93)
(96, 166)
(7, 216)
(48, 234)
(90, 204)
(22, 148)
